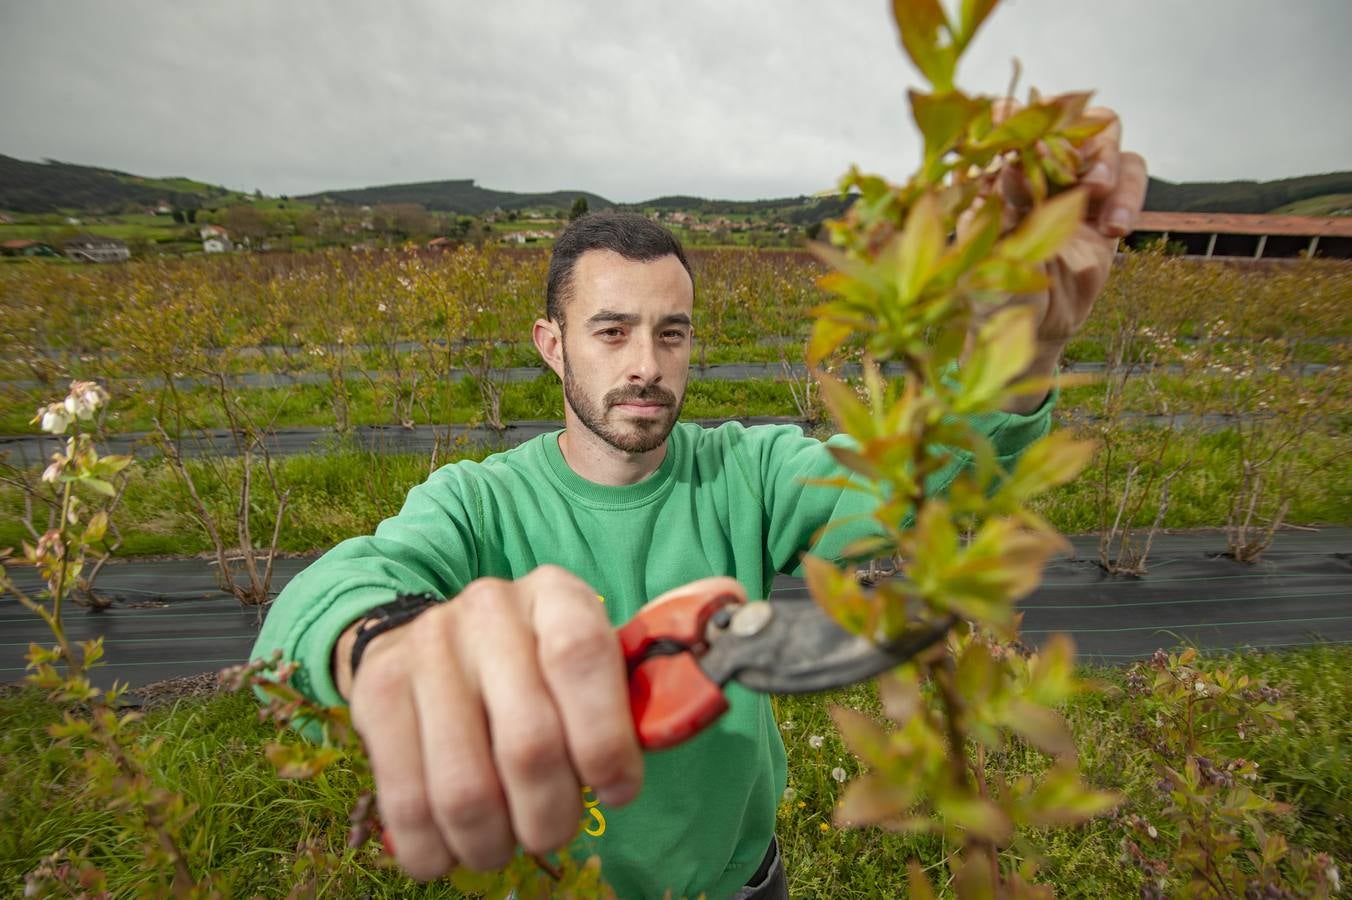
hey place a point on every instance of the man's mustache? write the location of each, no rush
(649, 394)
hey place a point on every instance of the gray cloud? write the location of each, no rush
(633, 100)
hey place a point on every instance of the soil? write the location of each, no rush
(160, 693)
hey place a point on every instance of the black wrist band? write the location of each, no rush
(403, 608)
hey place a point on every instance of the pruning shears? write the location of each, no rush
(684, 646)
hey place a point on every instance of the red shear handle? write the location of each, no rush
(672, 700)
(669, 695)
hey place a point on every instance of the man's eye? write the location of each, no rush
(674, 335)
(611, 332)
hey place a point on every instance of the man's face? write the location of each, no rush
(626, 347)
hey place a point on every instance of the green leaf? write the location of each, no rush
(1046, 229)
(922, 24)
(934, 548)
(855, 461)
(976, 237)
(974, 12)
(827, 335)
(943, 119)
(92, 650)
(97, 527)
(915, 252)
(98, 485)
(1045, 729)
(1051, 672)
(870, 547)
(300, 760)
(1062, 798)
(1050, 462)
(1004, 348)
(849, 411)
(977, 677)
(839, 594)
(471, 881)
(975, 815)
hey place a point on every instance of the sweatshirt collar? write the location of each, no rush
(611, 496)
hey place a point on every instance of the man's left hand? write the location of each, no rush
(1116, 183)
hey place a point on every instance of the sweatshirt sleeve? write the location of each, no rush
(797, 512)
(429, 546)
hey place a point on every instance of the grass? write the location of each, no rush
(1297, 763)
(248, 823)
(343, 492)
(372, 403)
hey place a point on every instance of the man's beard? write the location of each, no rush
(641, 434)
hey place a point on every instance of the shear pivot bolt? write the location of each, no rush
(751, 618)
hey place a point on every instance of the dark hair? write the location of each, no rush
(628, 234)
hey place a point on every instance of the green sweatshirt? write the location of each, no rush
(725, 501)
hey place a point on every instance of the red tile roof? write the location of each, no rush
(1243, 223)
(17, 244)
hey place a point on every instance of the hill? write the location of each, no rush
(51, 186)
(460, 196)
(1243, 196)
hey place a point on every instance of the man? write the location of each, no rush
(487, 717)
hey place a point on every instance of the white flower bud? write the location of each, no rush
(55, 419)
(838, 774)
(815, 742)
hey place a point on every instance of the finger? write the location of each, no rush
(1100, 154)
(384, 715)
(466, 796)
(583, 666)
(543, 793)
(1121, 208)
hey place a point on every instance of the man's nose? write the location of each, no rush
(643, 366)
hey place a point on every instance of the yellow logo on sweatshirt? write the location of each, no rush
(597, 826)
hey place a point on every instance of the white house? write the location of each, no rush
(215, 239)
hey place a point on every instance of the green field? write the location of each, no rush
(249, 828)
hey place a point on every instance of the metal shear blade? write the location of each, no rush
(791, 646)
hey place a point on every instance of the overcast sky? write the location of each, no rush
(631, 100)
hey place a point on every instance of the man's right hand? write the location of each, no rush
(485, 716)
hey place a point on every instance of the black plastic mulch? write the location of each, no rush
(169, 619)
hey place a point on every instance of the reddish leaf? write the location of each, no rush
(870, 800)
(862, 735)
(1045, 729)
(918, 882)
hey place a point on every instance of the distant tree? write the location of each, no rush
(403, 219)
(579, 209)
(245, 222)
(308, 223)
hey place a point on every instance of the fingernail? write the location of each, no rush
(1119, 220)
(1100, 174)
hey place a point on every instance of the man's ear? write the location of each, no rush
(548, 337)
